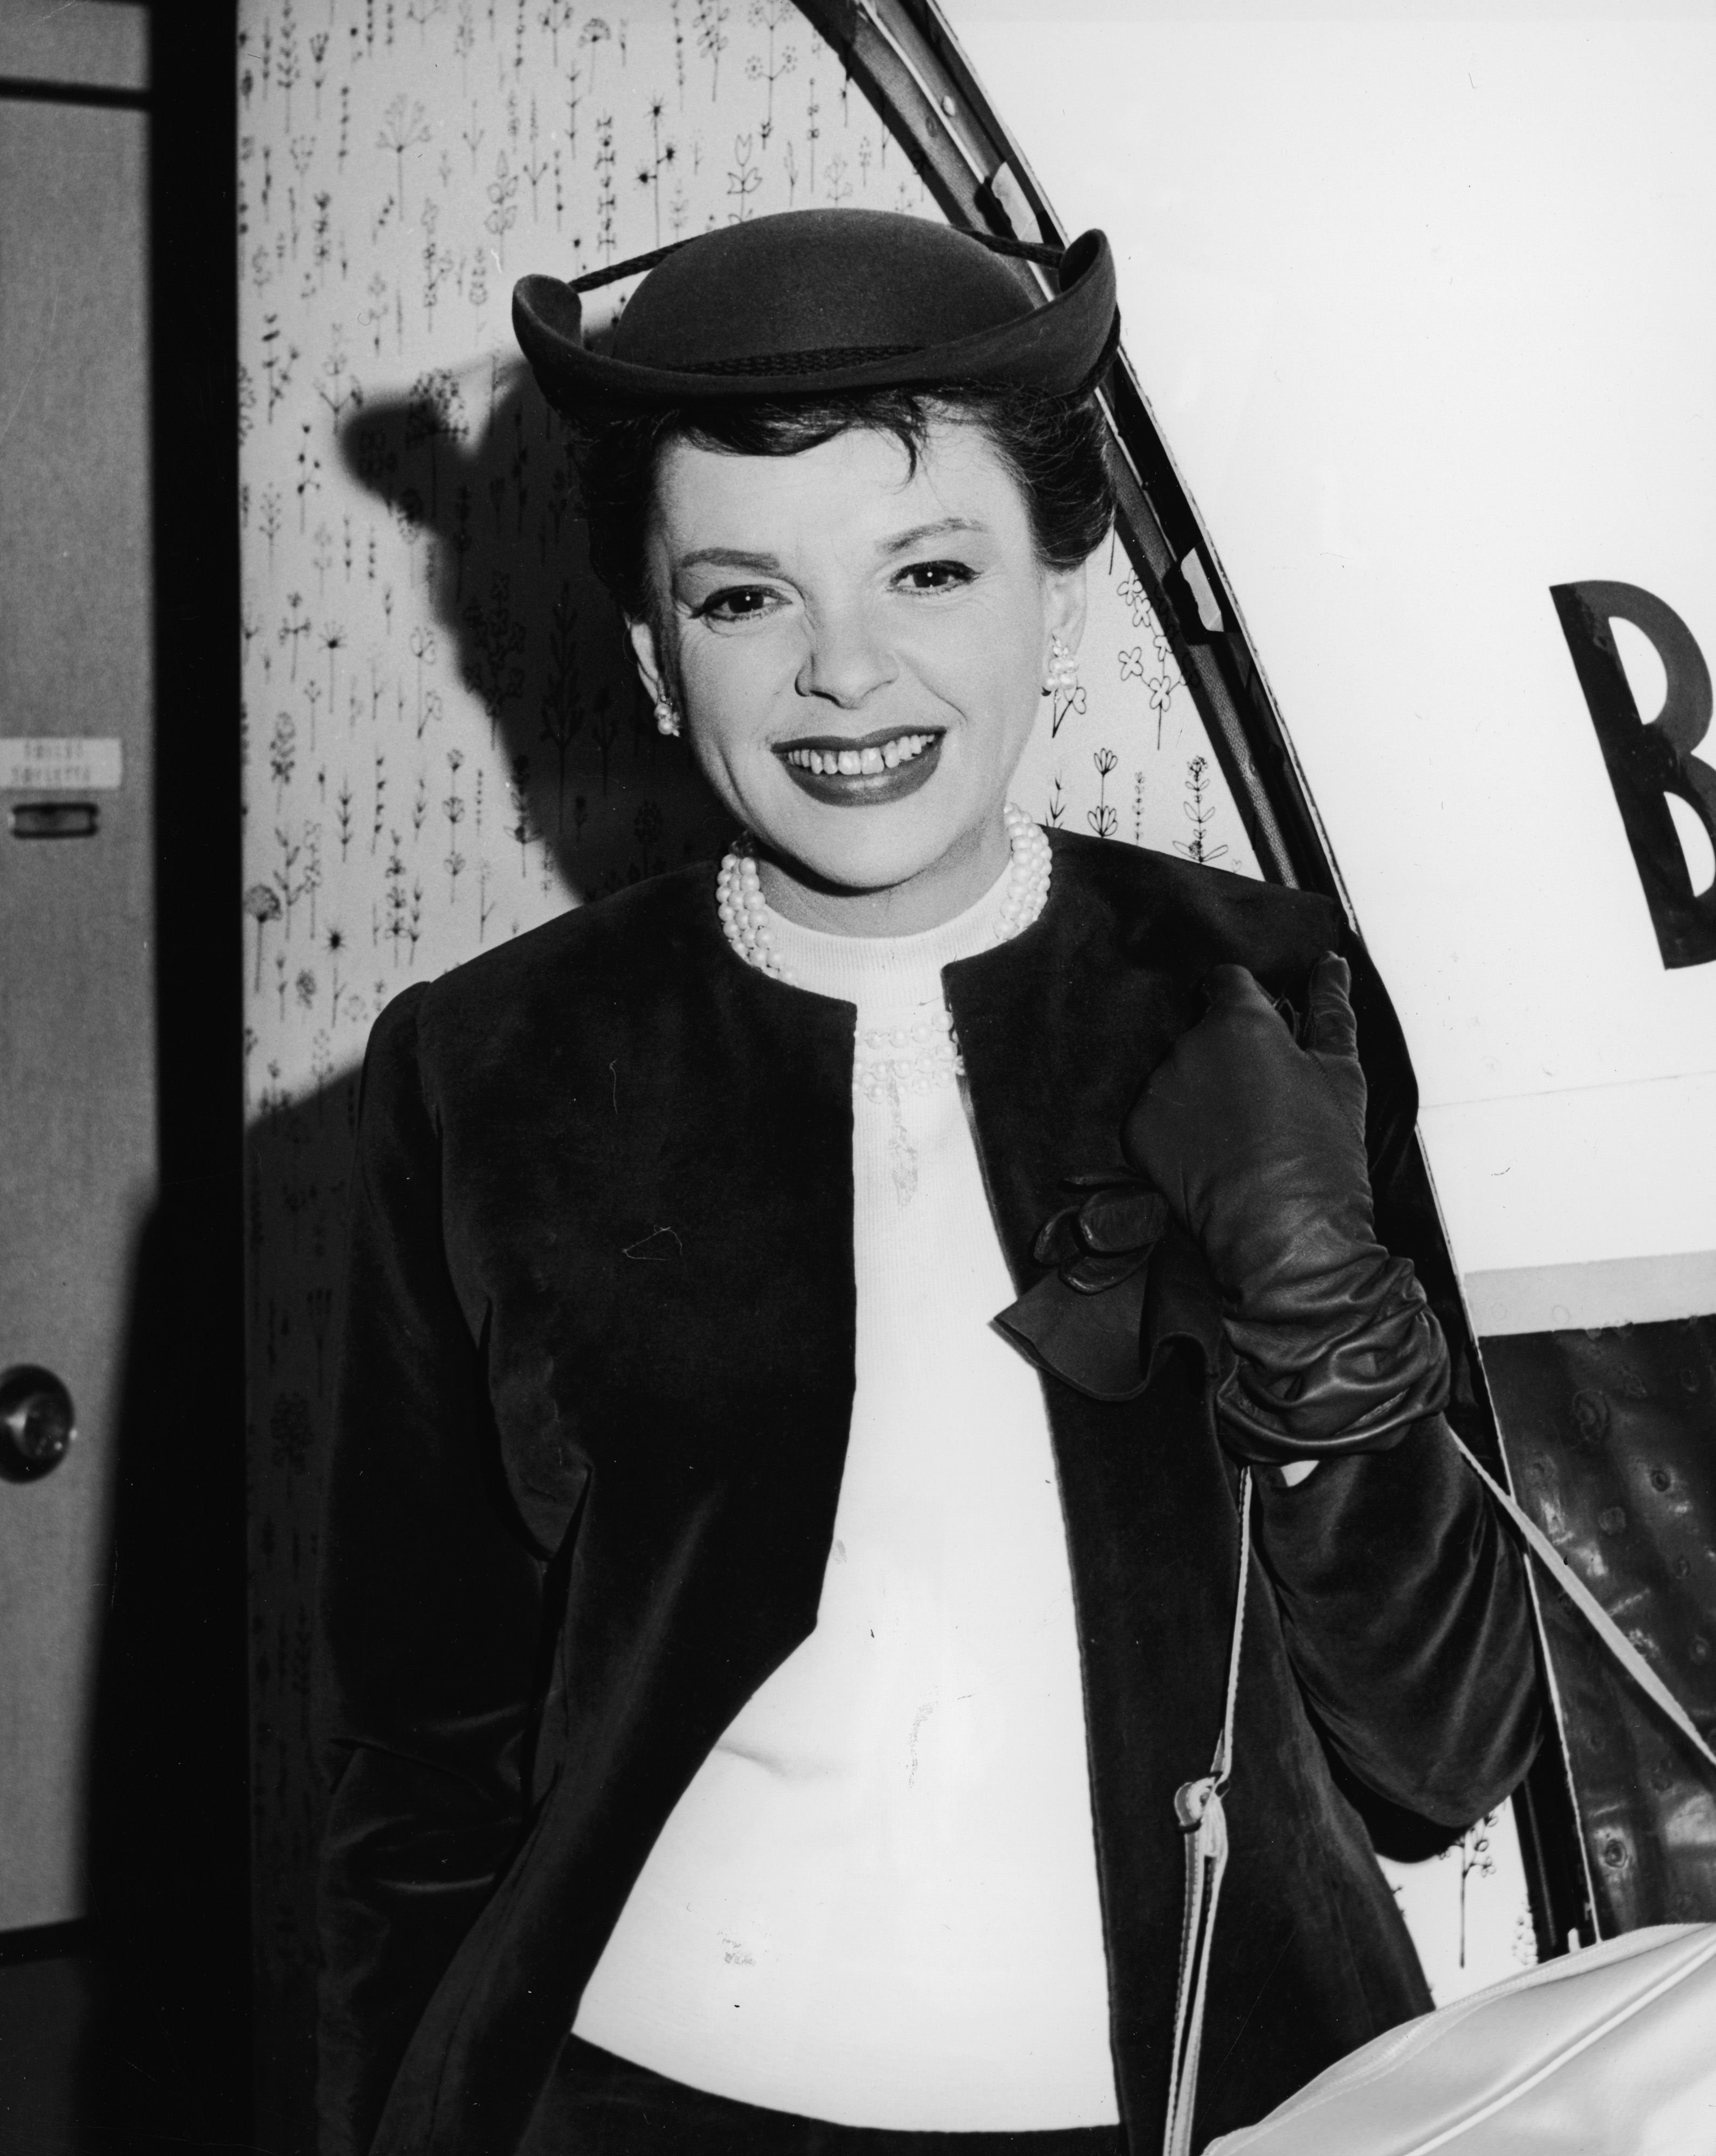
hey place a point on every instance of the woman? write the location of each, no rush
(757, 1692)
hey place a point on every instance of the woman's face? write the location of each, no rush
(858, 651)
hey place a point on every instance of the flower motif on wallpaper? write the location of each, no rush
(1159, 687)
(1199, 809)
(1131, 594)
(1067, 703)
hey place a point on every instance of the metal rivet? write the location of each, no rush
(1614, 1853)
(1590, 1415)
(1660, 1478)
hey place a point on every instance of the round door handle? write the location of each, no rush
(37, 1422)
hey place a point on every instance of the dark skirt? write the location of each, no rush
(598, 2105)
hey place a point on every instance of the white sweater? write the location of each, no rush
(876, 1902)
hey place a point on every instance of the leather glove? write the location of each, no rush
(1258, 1146)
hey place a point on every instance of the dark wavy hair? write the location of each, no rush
(1055, 448)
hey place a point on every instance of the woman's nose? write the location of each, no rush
(845, 660)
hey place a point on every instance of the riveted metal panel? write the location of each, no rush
(1611, 1437)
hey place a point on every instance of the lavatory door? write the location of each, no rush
(77, 1048)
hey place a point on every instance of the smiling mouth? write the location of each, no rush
(871, 759)
(883, 767)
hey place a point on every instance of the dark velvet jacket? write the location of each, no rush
(598, 1375)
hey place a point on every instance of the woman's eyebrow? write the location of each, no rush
(735, 558)
(920, 532)
(728, 557)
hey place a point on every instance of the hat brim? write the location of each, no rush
(1059, 347)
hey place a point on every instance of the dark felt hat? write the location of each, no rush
(817, 300)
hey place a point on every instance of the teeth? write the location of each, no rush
(856, 764)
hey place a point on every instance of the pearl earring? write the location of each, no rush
(667, 718)
(1063, 669)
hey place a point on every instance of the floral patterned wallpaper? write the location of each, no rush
(444, 741)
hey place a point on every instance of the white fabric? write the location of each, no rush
(876, 1903)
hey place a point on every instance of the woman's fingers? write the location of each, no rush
(1332, 1034)
(1333, 1030)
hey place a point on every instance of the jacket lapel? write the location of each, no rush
(1058, 1029)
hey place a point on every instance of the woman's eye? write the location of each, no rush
(742, 602)
(935, 576)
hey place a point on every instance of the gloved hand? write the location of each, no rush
(1258, 1146)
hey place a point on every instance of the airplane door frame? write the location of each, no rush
(905, 57)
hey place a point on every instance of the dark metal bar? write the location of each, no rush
(169, 2051)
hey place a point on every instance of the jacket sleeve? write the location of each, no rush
(1408, 1624)
(1404, 1599)
(429, 1613)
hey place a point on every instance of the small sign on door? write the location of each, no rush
(60, 763)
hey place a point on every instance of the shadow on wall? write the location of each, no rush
(164, 2049)
(491, 497)
(474, 470)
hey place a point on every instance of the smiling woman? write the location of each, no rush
(859, 592)
(894, 628)
(759, 1681)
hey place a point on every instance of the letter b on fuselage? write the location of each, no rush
(1649, 759)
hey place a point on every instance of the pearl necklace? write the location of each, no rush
(744, 911)
(890, 1061)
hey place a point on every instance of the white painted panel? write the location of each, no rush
(1573, 1177)
(1423, 306)
(1649, 1290)
(102, 42)
(77, 1038)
